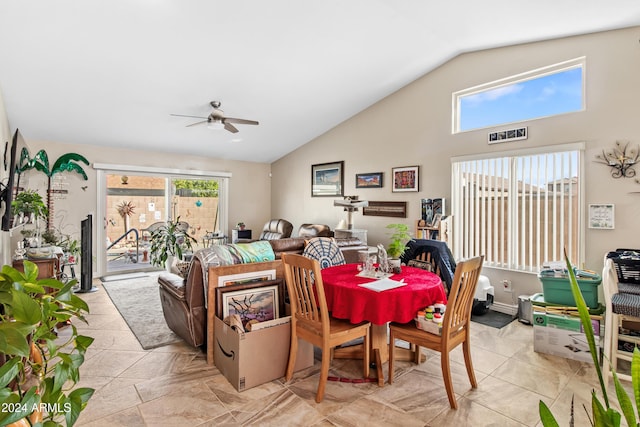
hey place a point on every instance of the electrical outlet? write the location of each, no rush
(506, 285)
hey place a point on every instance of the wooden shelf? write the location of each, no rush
(441, 232)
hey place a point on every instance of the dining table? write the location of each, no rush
(349, 296)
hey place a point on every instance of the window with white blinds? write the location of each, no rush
(519, 210)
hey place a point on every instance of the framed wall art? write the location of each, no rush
(392, 209)
(327, 179)
(260, 301)
(369, 180)
(601, 216)
(405, 178)
(253, 276)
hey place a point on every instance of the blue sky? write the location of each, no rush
(543, 96)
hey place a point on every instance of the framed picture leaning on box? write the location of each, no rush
(253, 301)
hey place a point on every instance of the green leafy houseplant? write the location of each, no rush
(399, 238)
(171, 239)
(602, 415)
(38, 369)
(29, 202)
(70, 247)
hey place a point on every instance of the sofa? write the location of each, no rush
(276, 229)
(183, 300)
(295, 245)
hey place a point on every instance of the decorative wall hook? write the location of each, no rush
(620, 160)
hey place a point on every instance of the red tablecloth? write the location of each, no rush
(347, 300)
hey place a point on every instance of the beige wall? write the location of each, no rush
(413, 127)
(249, 186)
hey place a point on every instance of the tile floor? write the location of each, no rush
(173, 385)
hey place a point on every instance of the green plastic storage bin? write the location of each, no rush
(557, 290)
(537, 300)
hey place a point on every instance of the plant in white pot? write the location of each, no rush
(399, 237)
(170, 241)
(28, 206)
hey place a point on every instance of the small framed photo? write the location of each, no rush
(436, 220)
(369, 180)
(405, 178)
(327, 179)
(602, 216)
(260, 301)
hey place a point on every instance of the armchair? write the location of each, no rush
(276, 229)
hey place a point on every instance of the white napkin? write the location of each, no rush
(383, 284)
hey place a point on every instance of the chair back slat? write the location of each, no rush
(306, 292)
(460, 301)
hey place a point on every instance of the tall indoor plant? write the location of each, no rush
(38, 368)
(170, 240)
(602, 415)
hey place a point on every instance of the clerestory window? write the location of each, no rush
(549, 91)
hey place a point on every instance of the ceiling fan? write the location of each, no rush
(217, 119)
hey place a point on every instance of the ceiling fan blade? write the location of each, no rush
(231, 128)
(198, 123)
(182, 115)
(240, 121)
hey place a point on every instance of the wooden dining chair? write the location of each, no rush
(455, 327)
(310, 318)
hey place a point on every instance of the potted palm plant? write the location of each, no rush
(38, 369)
(170, 241)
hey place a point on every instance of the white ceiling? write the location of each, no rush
(110, 73)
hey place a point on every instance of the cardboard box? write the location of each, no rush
(253, 358)
(428, 326)
(563, 336)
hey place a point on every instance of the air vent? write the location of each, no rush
(507, 135)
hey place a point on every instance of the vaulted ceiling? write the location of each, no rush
(111, 73)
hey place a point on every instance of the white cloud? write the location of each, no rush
(492, 95)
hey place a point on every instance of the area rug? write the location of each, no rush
(493, 318)
(138, 301)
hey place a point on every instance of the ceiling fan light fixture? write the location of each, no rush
(215, 125)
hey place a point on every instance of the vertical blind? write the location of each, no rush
(519, 211)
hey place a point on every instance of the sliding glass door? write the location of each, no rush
(134, 203)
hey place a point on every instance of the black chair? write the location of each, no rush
(436, 253)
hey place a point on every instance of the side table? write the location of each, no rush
(240, 234)
(47, 268)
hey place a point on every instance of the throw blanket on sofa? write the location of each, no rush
(230, 254)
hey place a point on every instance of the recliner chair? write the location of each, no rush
(276, 229)
(183, 304)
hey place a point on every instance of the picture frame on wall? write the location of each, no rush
(260, 301)
(327, 179)
(369, 180)
(405, 178)
(602, 216)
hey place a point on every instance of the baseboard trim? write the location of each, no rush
(505, 308)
